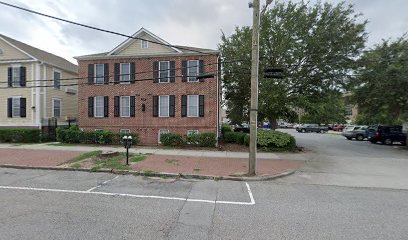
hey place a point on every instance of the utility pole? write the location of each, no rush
(253, 117)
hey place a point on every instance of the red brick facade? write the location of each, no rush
(144, 123)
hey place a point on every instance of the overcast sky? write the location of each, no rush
(180, 22)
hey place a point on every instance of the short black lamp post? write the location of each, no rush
(127, 142)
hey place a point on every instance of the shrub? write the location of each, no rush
(103, 137)
(207, 140)
(21, 135)
(193, 139)
(271, 140)
(225, 129)
(246, 139)
(171, 139)
(69, 135)
(234, 137)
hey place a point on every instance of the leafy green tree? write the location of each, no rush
(316, 44)
(381, 90)
(326, 110)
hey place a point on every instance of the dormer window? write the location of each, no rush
(145, 44)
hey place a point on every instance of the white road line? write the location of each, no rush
(89, 191)
(98, 186)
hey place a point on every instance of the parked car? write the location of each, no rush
(244, 127)
(358, 132)
(387, 134)
(311, 128)
(338, 127)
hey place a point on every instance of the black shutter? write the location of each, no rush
(132, 72)
(172, 71)
(90, 73)
(132, 106)
(10, 107)
(106, 73)
(155, 106)
(184, 105)
(106, 106)
(201, 106)
(117, 73)
(172, 106)
(23, 107)
(90, 106)
(201, 69)
(23, 76)
(116, 103)
(10, 76)
(155, 72)
(184, 71)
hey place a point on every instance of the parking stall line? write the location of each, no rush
(100, 185)
(90, 191)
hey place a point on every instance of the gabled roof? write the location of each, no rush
(135, 36)
(174, 49)
(41, 55)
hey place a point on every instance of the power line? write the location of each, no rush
(136, 73)
(98, 29)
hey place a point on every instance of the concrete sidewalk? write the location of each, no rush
(155, 151)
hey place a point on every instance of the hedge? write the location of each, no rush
(234, 137)
(225, 129)
(196, 139)
(20, 135)
(75, 135)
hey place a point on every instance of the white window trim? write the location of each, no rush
(159, 134)
(168, 104)
(103, 67)
(15, 66)
(53, 109)
(120, 109)
(103, 112)
(12, 108)
(188, 70)
(141, 44)
(53, 77)
(98, 129)
(188, 106)
(122, 131)
(120, 72)
(189, 132)
(168, 72)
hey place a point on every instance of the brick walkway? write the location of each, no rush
(36, 158)
(213, 166)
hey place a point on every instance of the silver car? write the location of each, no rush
(355, 131)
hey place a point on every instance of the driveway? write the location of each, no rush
(334, 160)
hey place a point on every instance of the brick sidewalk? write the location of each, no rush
(36, 158)
(213, 166)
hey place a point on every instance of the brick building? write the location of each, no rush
(149, 87)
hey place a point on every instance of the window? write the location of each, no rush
(16, 107)
(125, 72)
(56, 108)
(163, 106)
(57, 80)
(125, 106)
(124, 131)
(16, 77)
(349, 110)
(162, 131)
(99, 106)
(98, 130)
(145, 44)
(192, 106)
(191, 132)
(164, 71)
(99, 74)
(192, 70)
(1, 51)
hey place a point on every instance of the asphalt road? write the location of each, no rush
(36, 204)
(347, 190)
(334, 160)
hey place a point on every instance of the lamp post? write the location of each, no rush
(127, 142)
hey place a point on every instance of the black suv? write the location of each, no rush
(387, 134)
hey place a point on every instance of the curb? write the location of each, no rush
(157, 174)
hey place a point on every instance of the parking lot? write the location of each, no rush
(334, 160)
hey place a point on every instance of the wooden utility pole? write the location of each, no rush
(253, 121)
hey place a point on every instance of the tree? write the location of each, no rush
(326, 110)
(381, 90)
(317, 45)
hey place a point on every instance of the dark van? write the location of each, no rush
(387, 134)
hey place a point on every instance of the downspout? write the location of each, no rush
(37, 95)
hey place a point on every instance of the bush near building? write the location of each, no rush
(75, 135)
(20, 135)
(196, 139)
